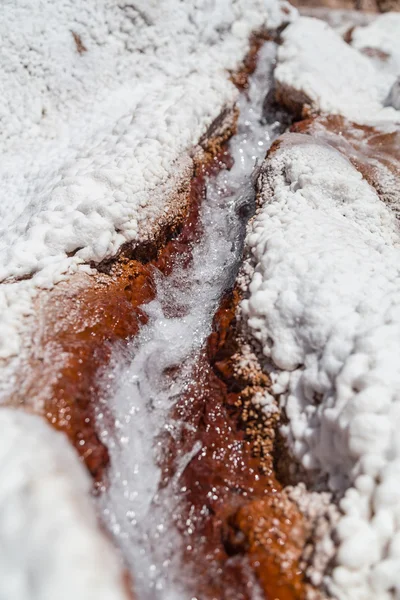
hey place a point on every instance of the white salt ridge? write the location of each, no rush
(325, 306)
(50, 544)
(335, 78)
(139, 391)
(383, 35)
(95, 144)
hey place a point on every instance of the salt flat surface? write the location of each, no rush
(50, 544)
(325, 306)
(101, 104)
(335, 78)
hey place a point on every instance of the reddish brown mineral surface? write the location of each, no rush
(244, 533)
(79, 321)
(375, 153)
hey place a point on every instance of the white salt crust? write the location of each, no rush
(95, 143)
(324, 304)
(50, 544)
(382, 34)
(335, 78)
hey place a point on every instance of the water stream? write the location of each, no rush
(137, 385)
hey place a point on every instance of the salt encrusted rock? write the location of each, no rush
(374, 152)
(380, 40)
(318, 72)
(324, 304)
(51, 546)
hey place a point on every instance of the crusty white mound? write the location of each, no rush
(50, 544)
(330, 76)
(100, 108)
(324, 303)
(380, 40)
(382, 35)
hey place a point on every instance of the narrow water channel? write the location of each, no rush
(147, 377)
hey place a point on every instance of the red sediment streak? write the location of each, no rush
(240, 531)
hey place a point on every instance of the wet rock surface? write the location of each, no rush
(245, 534)
(374, 152)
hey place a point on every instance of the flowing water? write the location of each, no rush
(137, 387)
